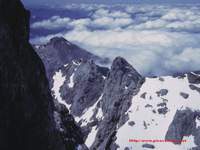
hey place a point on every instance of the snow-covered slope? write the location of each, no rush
(128, 107)
(152, 113)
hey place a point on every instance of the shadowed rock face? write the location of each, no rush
(123, 82)
(193, 78)
(26, 110)
(88, 85)
(184, 124)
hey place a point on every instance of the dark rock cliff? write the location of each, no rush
(26, 110)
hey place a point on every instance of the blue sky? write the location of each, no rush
(42, 2)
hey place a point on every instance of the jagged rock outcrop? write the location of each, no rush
(184, 124)
(194, 77)
(27, 108)
(122, 83)
(70, 132)
(83, 85)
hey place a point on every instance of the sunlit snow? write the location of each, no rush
(58, 81)
(157, 124)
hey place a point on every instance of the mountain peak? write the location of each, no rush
(59, 41)
(120, 63)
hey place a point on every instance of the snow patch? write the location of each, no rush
(37, 46)
(58, 81)
(100, 112)
(66, 65)
(76, 63)
(197, 122)
(68, 43)
(88, 113)
(195, 74)
(188, 144)
(71, 81)
(91, 137)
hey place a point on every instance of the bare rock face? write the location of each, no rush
(87, 85)
(26, 110)
(184, 124)
(68, 129)
(194, 78)
(122, 83)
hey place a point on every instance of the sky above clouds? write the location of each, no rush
(42, 2)
(155, 39)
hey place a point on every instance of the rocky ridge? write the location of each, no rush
(59, 51)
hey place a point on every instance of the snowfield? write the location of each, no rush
(150, 114)
(149, 124)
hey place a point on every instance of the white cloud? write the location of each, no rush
(54, 22)
(180, 14)
(110, 13)
(176, 19)
(157, 40)
(188, 58)
(80, 23)
(109, 22)
(147, 51)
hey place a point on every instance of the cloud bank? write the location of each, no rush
(156, 40)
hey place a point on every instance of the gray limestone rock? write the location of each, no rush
(184, 95)
(184, 124)
(193, 87)
(148, 105)
(131, 123)
(144, 95)
(161, 79)
(116, 101)
(193, 78)
(163, 110)
(149, 146)
(88, 79)
(162, 92)
(163, 104)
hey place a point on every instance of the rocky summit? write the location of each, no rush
(58, 52)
